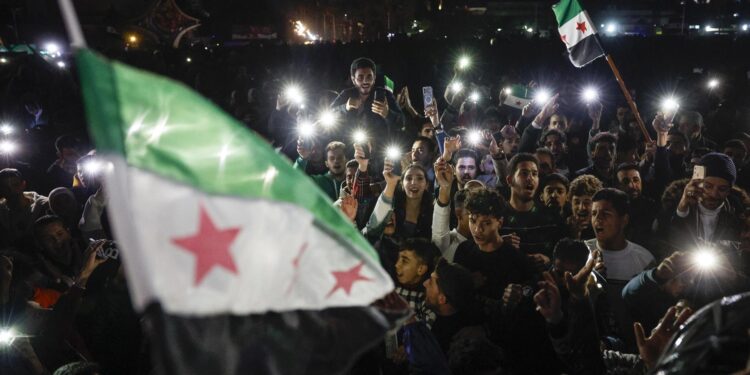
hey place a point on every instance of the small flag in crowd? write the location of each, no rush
(240, 262)
(577, 32)
(517, 97)
(389, 85)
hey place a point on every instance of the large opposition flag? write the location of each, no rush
(239, 261)
(577, 32)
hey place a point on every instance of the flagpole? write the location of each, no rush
(628, 98)
(72, 26)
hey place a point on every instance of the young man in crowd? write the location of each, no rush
(690, 123)
(546, 162)
(447, 239)
(603, 148)
(423, 152)
(19, 209)
(705, 212)
(554, 193)
(381, 116)
(642, 212)
(537, 227)
(331, 181)
(582, 189)
(62, 170)
(622, 259)
(467, 167)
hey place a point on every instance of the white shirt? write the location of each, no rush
(708, 219)
(447, 241)
(623, 264)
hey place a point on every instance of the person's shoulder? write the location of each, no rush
(640, 250)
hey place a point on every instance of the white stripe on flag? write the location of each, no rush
(576, 29)
(283, 262)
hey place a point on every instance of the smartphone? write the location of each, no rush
(699, 172)
(396, 167)
(427, 95)
(365, 149)
(379, 95)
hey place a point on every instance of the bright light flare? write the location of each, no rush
(61, 64)
(359, 136)
(542, 96)
(188, 59)
(3, 60)
(508, 90)
(590, 94)
(327, 118)
(6, 129)
(713, 83)
(474, 137)
(52, 48)
(670, 104)
(294, 94)
(306, 129)
(132, 38)
(474, 97)
(7, 336)
(611, 27)
(8, 147)
(393, 153)
(705, 259)
(457, 86)
(464, 62)
(93, 167)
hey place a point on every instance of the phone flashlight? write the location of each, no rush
(705, 259)
(590, 95)
(294, 94)
(542, 96)
(6, 129)
(713, 83)
(327, 118)
(8, 147)
(474, 97)
(306, 129)
(474, 137)
(360, 139)
(7, 335)
(669, 107)
(464, 62)
(457, 86)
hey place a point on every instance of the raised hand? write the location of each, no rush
(444, 173)
(349, 206)
(450, 146)
(512, 295)
(652, 347)
(577, 284)
(433, 114)
(548, 301)
(514, 240)
(352, 104)
(380, 108)
(303, 150)
(391, 179)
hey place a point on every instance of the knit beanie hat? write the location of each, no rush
(719, 165)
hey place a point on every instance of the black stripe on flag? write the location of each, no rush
(310, 342)
(585, 51)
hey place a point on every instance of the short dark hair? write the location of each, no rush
(518, 159)
(560, 134)
(680, 134)
(585, 184)
(617, 198)
(554, 177)
(455, 282)
(466, 153)
(46, 220)
(424, 249)
(626, 167)
(735, 143)
(362, 63)
(10, 173)
(568, 249)
(485, 202)
(545, 151)
(352, 164)
(601, 138)
(431, 145)
(459, 199)
(67, 141)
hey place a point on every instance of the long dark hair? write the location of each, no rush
(424, 220)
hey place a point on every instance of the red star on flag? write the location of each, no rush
(581, 26)
(346, 279)
(210, 246)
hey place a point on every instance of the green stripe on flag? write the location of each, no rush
(565, 10)
(164, 127)
(389, 85)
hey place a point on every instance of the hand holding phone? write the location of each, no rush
(427, 96)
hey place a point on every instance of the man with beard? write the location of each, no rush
(642, 212)
(603, 149)
(359, 108)
(546, 162)
(423, 152)
(331, 181)
(556, 142)
(538, 228)
(467, 166)
(554, 195)
(691, 124)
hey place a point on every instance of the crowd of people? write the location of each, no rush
(535, 239)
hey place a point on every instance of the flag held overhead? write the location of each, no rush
(577, 32)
